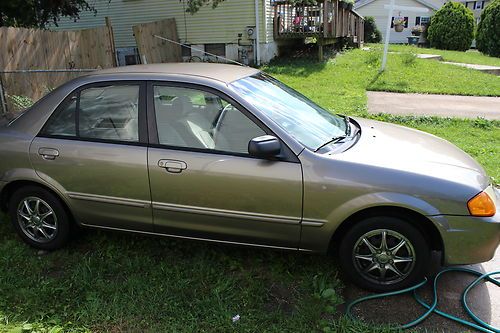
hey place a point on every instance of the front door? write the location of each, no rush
(204, 184)
(93, 150)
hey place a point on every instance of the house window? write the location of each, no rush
(422, 20)
(478, 4)
(218, 49)
(186, 50)
(406, 22)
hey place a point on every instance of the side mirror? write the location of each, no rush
(265, 146)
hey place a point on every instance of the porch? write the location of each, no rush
(326, 21)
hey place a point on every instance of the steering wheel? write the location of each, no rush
(218, 122)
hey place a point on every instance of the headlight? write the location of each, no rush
(482, 205)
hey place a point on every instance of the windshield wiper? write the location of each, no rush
(347, 121)
(333, 140)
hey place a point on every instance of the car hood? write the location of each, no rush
(408, 150)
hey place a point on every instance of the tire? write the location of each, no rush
(47, 227)
(400, 264)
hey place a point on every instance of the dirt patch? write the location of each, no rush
(281, 298)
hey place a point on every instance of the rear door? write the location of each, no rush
(204, 184)
(93, 148)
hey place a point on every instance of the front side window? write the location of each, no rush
(194, 118)
(104, 113)
(307, 122)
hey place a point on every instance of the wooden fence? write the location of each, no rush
(32, 49)
(155, 50)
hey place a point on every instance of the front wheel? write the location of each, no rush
(39, 218)
(384, 253)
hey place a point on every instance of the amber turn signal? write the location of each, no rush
(481, 205)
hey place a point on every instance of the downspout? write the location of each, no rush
(257, 31)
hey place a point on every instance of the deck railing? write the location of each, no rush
(327, 19)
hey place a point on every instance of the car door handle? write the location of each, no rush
(48, 153)
(172, 166)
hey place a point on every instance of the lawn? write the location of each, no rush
(108, 282)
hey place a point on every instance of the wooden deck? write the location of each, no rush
(326, 21)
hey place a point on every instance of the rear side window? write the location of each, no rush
(103, 113)
(63, 121)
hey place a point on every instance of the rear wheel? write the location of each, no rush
(384, 253)
(39, 218)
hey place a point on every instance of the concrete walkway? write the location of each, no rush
(495, 70)
(484, 300)
(434, 105)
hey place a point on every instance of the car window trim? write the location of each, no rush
(142, 113)
(287, 155)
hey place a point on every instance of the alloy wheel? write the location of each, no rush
(383, 256)
(37, 219)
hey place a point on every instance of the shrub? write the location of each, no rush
(488, 30)
(452, 27)
(372, 34)
(408, 58)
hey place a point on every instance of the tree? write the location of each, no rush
(194, 5)
(452, 27)
(37, 13)
(488, 30)
(372, 33)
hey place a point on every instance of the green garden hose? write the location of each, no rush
(432, 308)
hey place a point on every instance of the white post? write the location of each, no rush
(391, 8)
(387, 35)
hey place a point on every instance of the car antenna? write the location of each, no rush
(196, 49)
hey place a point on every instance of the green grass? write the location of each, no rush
(468, 57)
(108, 282)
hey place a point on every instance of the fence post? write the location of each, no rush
(2, 98)
(112, 40)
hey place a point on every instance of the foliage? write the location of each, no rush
(193, 6)
(398, 21)
(38, 13)
(417, 29)
(372, 33)
(488, 30)
(20, 102)
(452, 27)
(408, 58)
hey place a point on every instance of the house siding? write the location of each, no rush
(377, 10)
(221, 25)
(476, 12)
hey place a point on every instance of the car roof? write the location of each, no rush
(220, 72)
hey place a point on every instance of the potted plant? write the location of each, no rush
(417, 30)
(399, 24)
(350, 4)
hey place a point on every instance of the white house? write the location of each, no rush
(376, 9)
(477, 7)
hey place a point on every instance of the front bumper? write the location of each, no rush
(468, 239)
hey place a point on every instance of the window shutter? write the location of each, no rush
(406, 21)
(392, 22)
(417, 20)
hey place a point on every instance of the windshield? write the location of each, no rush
(307, 122)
